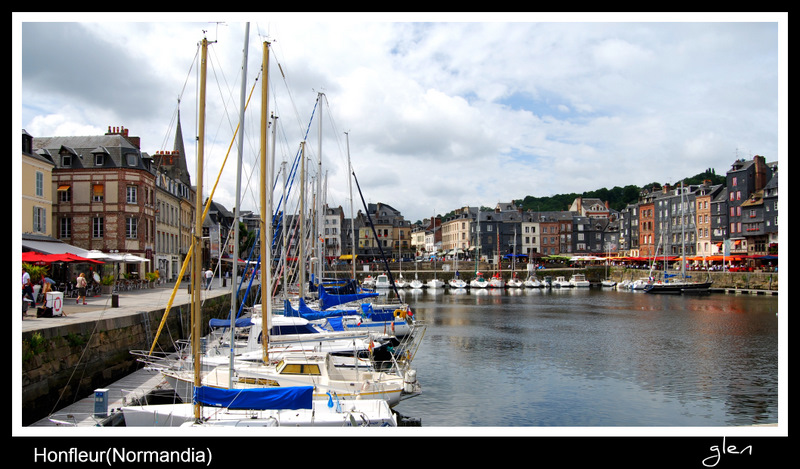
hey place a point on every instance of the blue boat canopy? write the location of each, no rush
(278, 398)
(328, 300)
(241, 322)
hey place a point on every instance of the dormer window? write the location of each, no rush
(98, 159)
(66, 161)
(130, 159)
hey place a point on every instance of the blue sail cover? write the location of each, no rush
(241, 322)
(293, 397)
(328, 300)
(303, 311)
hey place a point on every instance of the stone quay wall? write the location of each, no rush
(66, 363)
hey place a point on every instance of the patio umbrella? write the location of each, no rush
(33, 257)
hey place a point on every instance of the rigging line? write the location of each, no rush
(191, 247)
(375, 233)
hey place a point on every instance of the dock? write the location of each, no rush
(137, 387)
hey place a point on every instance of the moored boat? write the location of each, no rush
(479, 281)
(579, 280)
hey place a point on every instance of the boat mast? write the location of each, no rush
(198, 225)
(302, 237)
(352, 214)
(234, 283)
(319, 206)
(266, 224)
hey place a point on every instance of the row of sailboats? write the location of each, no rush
(303, 365)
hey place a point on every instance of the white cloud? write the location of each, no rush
(440, 115)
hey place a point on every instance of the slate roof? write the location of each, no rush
(83, 149)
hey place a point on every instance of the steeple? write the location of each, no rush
(174, 162)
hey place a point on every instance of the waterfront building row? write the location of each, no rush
(103, 192)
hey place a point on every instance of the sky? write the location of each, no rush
(434, 111)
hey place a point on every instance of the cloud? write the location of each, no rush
(439, 114)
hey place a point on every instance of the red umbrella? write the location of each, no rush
(37, 257)
(33, 257)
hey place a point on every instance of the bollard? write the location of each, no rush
(115, 300)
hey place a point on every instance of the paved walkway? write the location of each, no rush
(129, 302)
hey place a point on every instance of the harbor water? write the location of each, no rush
(592, 357)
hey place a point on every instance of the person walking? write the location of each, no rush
(81, 284)
(209, 277)
(27, 291)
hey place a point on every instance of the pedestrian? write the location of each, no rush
(81, 284)
(27, 289)
(46, 288)
(209, 277)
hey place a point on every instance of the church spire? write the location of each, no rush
(183, 170)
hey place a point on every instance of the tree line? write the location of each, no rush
(618, 197)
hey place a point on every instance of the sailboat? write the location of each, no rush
(683, 285)
(514, 282)
(261, 397)
(497, 281)
(456, 281)
(479, 281)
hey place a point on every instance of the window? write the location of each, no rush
(97, 227)
(131, 228)
(65, 228)
(64, 193)
(39, 219)
(98, 159)
(39, 184)
(66, 161)
(131, 194)
(97, 193)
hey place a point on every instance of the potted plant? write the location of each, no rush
(107, 284)
(151, 278)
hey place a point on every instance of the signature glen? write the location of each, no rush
(718, 452)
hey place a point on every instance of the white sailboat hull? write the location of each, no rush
(364, 413)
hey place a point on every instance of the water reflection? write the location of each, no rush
(586, 357)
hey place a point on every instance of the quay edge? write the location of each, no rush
(67, 358)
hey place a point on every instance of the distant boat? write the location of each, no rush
(579, 280)
(532, 282)
(497, 281)
(561, 282)
(514, 282)
(368, 282)
(401, 282)
(479, 281)
(382, 281)
(667, 285)
(457, 282)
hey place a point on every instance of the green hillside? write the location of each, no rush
(617, 197)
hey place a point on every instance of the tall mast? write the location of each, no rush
(198, 224)
(266, 224)
(300, 257)
(234, 285)
(319, 206)
(352, 214)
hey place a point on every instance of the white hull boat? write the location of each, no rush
(306, 412)
(457, 283)
(317, 371)
(497, 282)
(435, 283)
(382, 281)
(579, 280)
(532, 282)
(561, 282)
